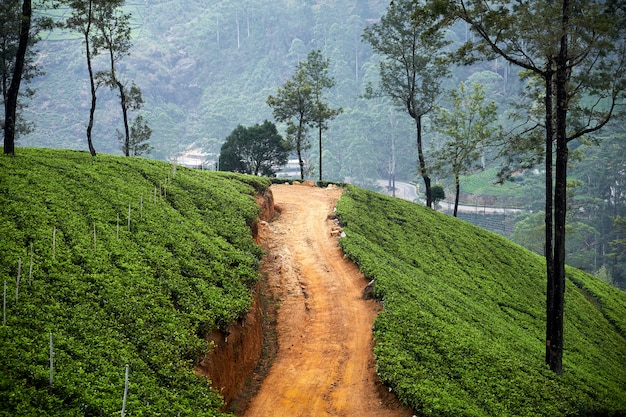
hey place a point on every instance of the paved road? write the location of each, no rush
(407, 191)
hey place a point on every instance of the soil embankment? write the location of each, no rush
(324, 365)
(235, 354)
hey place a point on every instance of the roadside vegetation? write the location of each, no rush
(463, 327)
(85, 294)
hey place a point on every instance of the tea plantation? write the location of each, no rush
(111, 261)
(463, 333)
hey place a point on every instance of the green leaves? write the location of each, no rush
(144, 297)
(462, 332)
(256, 150)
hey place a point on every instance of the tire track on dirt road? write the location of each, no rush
(324, 365)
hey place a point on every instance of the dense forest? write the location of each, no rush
(205, 68)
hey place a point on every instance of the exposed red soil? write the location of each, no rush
(324, 364)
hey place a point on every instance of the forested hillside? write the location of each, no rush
(110, 262)
(206, 67)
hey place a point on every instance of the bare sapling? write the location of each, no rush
(30, 269)
(51, 362)
(175, 164)
(4, 305)
(125, 392)
(19, 277)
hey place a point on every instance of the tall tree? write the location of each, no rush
(86, 19)
(12, 94)
(294, 104)
(81, 21)
(413, 67)
(468, 126)
(255, 150)
(316, 69)
(577, 48)
(114, 36)
(131, 99)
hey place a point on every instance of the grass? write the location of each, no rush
(462, 332)
(144, 296)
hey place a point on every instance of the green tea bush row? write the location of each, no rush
(145, 296)
(463, 327)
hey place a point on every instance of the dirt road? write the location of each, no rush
(324, 365)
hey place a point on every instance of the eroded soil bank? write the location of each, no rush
(236, 353)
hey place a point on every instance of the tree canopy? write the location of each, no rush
(468, 126)
(577, 48)
(256, 150)
(412, 68)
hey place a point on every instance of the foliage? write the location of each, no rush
(110, 294)
(316, 69)
(256, 150)
(139, 137)
(438, 193)
(469, 128)
(462, 331)
(412, 68)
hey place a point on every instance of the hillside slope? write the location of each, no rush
(111, 295)
(462, 333)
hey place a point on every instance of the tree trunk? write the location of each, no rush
(14, 88)
(422, 161)
(549, 236)
(92, 84)
(457, 184)
(125, 117)
(299, 141)
(319, 125)
(560, 201)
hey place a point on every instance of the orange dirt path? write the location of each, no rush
(324, 365)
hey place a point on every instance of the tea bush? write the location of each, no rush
(144, 296)
(463, 327)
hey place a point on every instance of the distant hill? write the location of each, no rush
(205, 67)
(463, 327)
(111, 291)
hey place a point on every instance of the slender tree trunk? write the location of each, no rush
(560, 200)
(319, 126)
(125, 117)
(123, 104)
(457, 184)
(422, 161)
(549, 222)
(92, 84)
(14, 88)
(299, 141)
